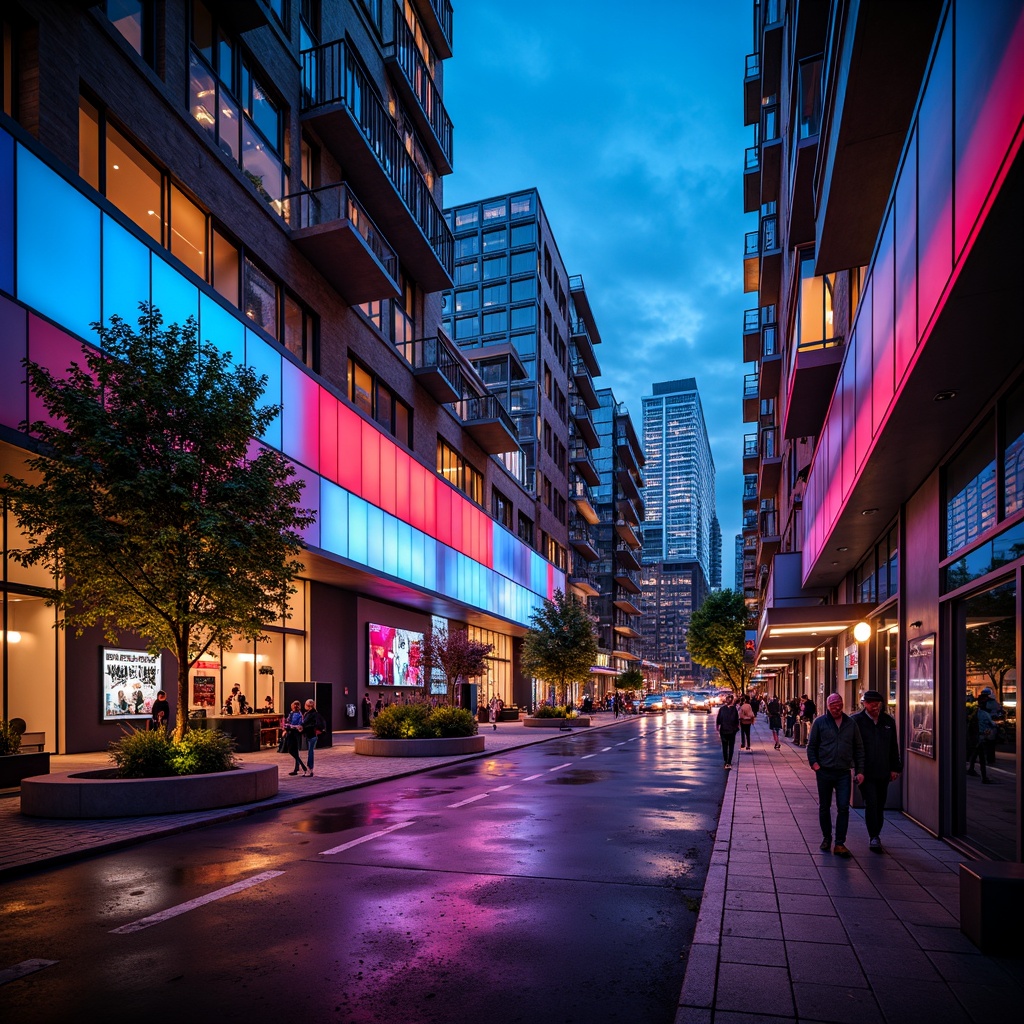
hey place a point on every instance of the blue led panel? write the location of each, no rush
(175, 297)
(58, 248)
(390, 553)
(263, 358)
(357, 545)
(374, 537)
(125, 273)
(333, 518)
(404, 546)
(221, 329)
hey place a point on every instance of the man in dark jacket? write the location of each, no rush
(882, 762)
(728, 724)
(833, 748)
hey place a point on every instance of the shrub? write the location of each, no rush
(203, 751)
(143, 754)
(10, 739)
(550, 711)
(449, 721)
(153, 754)
(421, 722)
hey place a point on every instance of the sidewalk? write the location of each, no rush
(787, 932)
(28, 843)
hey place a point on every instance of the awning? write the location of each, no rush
(784, 634)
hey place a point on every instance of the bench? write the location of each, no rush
(33, 742)
(991, 905)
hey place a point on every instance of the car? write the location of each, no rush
(674, 699)
(700, 702)
(653, 702)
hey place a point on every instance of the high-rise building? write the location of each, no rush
(738, 567)
(886, 531)
(682, 539)
(275, 170)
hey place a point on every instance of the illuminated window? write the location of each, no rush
(373, 397)
(459, 473)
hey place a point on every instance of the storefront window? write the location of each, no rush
(1013, 453)
(971, 491)
(986, 659)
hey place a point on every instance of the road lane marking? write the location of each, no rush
(530, 778)
(365, 839)
(557, 766)
(604, 750)
(470, 800)
(25, 967)
(585, 756)
(200, 901)
(621, 743)
(498, 789)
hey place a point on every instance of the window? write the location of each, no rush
(467, 300)
(524, 234)
(497, 210)
(1013, 452)
(133, 184)
(525, 529)
(300, 337)
(468, 273)
(815, 328)
(134, 20)
(495, 267)
(524, 289)
(467, 327)
(375, 10)
(468, 217)
(496, 322)
(495, 295)
(971, 491)
(260, 298)
(496, 239)
(188, 231)
(373, 397)
(524, 316)
(228, 99)
(501, 508)
(459, 473)
(469, 246)
(522, 206)
(309, 24)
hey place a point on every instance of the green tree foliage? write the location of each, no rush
(560, 647)
(717, 635)
(456, 654)
(150, 500)
(631, 679)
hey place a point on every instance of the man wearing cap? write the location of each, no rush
(882, 762)
(833, 748)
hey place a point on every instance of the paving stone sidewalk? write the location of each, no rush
(787, 932)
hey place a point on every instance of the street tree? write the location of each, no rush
(717, 637)
(150, 502)
(457, 654)
(631, 679)
(560, 647)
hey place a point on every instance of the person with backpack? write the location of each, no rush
(747, 715)
(313, 725)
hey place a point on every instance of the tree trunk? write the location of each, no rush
(181, 715)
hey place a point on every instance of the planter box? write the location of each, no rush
(581, 722)
(439, 747)
(15, 767)
(96, 795)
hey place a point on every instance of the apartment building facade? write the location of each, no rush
(274, 170)
(886, 407)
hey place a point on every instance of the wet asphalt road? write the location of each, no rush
(555, 883)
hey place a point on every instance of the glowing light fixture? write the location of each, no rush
(861, 632)
(12, 636)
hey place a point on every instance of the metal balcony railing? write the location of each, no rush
(750, 449)
(426, 353)
(750, 385)
(769, 448)
(751, 320)
(330, 75)
(768, 524)
(752, 65)
(485, 407)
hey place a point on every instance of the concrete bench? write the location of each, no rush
(991, 905)
(33, 741)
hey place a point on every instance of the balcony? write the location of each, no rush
(584, 348)
(770, 254)
(339, 103)
(770, 470)
(752, 88)
(436, 19)
(628, 533)
(627, 556)
(812, 383)
(419, 94)
(750, 515)
(749, 492)
(771, 155)
(487, 422)
(628, 579)
(751, 398)
(770, 369)
(629, 510)
(583, 462)
(579, 538)
(584, 422)
(627, 649)
(627, 447)
(751, 180)
(333, 231)
(623, 624)
(630, 483)
(583, 380)
(750, 453)
(751, 335)
(583, 579)
(769, 537)
(581, 303)
(437, 366)
(580, 496)
(624, 602)
(773, 13)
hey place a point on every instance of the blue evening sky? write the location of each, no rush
(628, 119)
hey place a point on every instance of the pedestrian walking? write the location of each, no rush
(313, 725)
(291, 730)
(367, 710)
(882, 762)
(792, 713)
(747, 714)
(986, 743)
(727, 722)
(493, 710)
(774, 711)
(834, 747)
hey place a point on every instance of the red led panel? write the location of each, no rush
(350, 450)
(370, 489)
(387, 475)
(328, 435)
(402, 474)
(428, 510)
(417, 510)
(457, 520)
(50, 347)
(443, 525)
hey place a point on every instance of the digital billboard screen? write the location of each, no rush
(396, 656)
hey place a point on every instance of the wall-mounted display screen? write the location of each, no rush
(396, 656)
(131, 680)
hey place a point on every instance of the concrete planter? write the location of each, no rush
(96, 795)
(580, 722)
(15, 767)
(439, 747)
